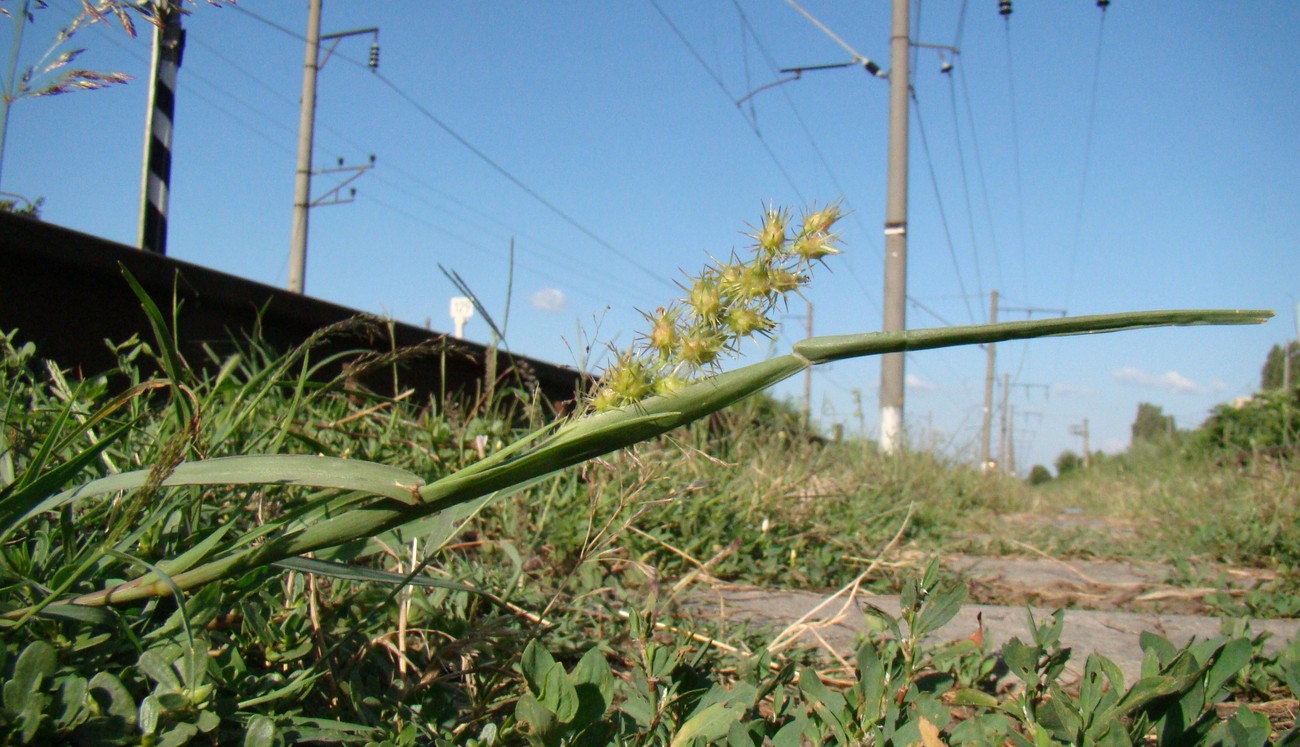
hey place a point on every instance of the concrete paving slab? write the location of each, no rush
(1113, 634)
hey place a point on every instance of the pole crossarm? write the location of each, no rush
(336, 37)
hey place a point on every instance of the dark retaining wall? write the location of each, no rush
(65, 291)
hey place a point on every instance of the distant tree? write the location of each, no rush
(1067, 462)
(1039, 475)
(1274, 372)
(1151, 424)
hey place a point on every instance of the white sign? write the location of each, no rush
(461, 310)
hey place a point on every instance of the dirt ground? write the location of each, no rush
(1108, 603)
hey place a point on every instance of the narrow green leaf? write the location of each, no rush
(299, 682)
(969, 696)
(606, 432)
(839, 347)
(356, 573)
(301, 729)
(272, 469)
(168, 356)
(79, 614)
(186, 560)
(29, 499)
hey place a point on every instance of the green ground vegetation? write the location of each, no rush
(546, 617)
(255, 548)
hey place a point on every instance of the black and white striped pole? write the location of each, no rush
(169, 43)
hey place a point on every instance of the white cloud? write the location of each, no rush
(549, 299)
(917, 384)
(1170, 381)
(1071, 390)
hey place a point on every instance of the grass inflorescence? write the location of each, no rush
(725, 304)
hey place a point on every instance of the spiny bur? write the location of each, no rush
(725, 304)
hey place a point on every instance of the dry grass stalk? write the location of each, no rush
(849, 591)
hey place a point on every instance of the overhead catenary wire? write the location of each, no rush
(1015, 153)
(1087, 157)
(444, 232)
(871, 66)
(771, 154)
(938, 196)
(480, 154)
(188, 87)
(965, 183)
(983, 181)
(817, 150)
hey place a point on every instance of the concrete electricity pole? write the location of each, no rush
(1002, 442)
(302, 202)
(892, 374)
(1011, 441)
(1082, 430)
(306, 132)
(986, 432)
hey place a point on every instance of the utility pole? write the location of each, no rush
(1002, 442)
(306, 131)
(155, 182)
(1011, 441)
(892, 369)
(1082, 430)
(985, 434)
(807, 377)
(302, 202)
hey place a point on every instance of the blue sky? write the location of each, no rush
(1176, 187)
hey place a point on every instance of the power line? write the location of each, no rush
(1015, 150)
(961, 26)
(872, 67)
(821, 156)
(965, 184)
(943, 216)
(979, 167)
(194, 75)
(912, 300)
(727, 92)
(1087, 157)
(492, 163)
(443, 231)
(566, 217)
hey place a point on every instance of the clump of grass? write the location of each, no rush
(1166, 493)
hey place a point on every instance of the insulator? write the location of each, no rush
(1102, 4)
(374, 56)
(1004, 8)
(946, 67)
